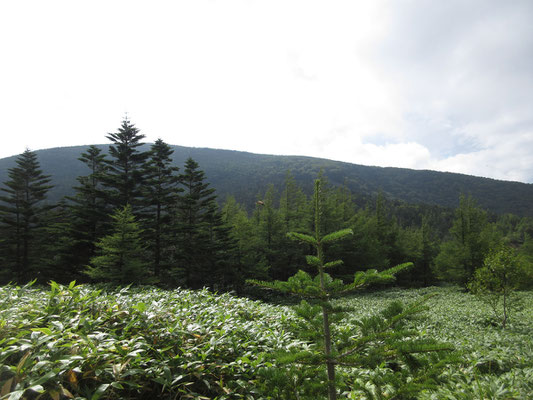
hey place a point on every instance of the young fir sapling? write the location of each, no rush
(331, 346)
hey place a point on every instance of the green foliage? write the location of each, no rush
(244, 175)
(205, 246)
(121, 253)
(161, 194)
(496, 282)
(471, 239)
(124, 175)
(379, 339)
(88, 342)
(21, 217)
(88, 208)
(85, 341)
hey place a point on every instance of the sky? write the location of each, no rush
(440, 85)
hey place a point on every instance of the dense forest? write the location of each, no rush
(136, 217)
(167, 270)
(244, 175)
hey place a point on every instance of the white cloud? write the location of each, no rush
(445, 85)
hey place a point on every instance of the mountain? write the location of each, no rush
(246, 175)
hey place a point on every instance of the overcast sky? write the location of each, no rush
(442, 85)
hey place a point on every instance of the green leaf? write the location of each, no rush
(313, 261)
(44, 378)
(46, 331)
(397, 269)
(334, 236)
(331, 264)
(302, 237)
(16, 395)
(100, 391)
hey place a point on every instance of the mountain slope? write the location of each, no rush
(245, 175)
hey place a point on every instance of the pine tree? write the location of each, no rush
(60, 256)
(294, 216)
(125, 170)
(471, 239)
(21, 219)
(244, 230)
(88, 207)
(224, 269)
(192, 237)
(269, 227)
(161, 193)
(121, 258)
(381, 338)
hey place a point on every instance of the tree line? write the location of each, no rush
(137, 218)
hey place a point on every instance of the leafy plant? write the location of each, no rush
(381, 338)
(496, 282)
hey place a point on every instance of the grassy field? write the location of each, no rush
(89, 342)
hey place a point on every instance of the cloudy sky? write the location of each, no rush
(442, 85)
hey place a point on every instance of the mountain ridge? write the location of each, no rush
(245, 175)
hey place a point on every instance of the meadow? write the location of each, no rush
(100, 342)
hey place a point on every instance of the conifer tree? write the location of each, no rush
(90, 212)
(161, 193)
(21, 219)
(121, 258)
(380, 340)
(60, 256)
(269, 226)
(294, 216)
(469, 244)
(224, 269)
(125, 170)
(192, 237)
(244, 231)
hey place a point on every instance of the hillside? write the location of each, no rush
(245, 175)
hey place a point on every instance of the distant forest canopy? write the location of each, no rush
(137, 213)
(245, 175)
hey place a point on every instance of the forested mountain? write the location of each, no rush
(244, 175)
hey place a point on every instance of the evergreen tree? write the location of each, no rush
(224, 269)
(125, 170)
(294, 214)
(269, 226)
(192, 235)
(60, 257)
(250, 259)
(387, 231)
(161, 193)
(88, 207)
(380, 339)
(121, 258)
(429, 251)
(471, 239)
(21, 219)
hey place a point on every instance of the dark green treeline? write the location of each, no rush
(136, 218)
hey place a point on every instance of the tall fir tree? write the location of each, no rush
(125, 169)
(250, 261)
(21, 220)
(89, 209)
(192, 215)
(269, 225)
(294, 214)
(161, 194)
(224, 269)
(471, 239)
